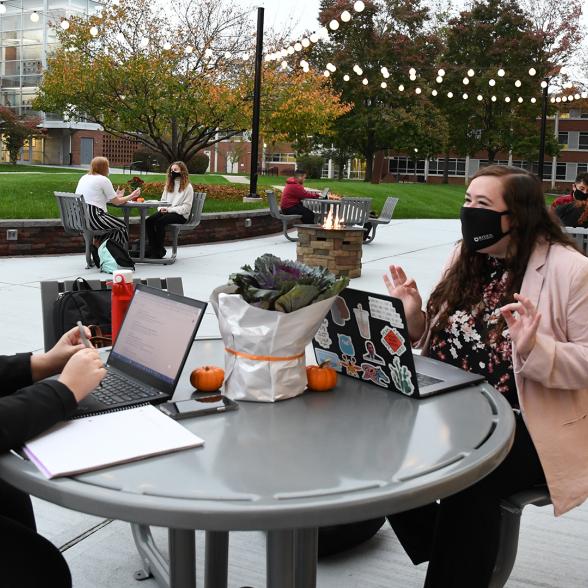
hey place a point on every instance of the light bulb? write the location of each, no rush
(290, 50)
(438, 79)
(188, 49)
(323, 33)
(383, 85)
(570, 98)
(434, 93)
(345, 78)
(245, 56)
(167, 45)
(34, 16)
(416, 150)
(479, 97)
(401, 88)
(284, 64)
(532, 71)
(94, 31)
(441, 72)
(577, 96)
(417, 90)
(412, 78)
(518, 83)
(471, 73)
(364, 81)
(564, 98)
(501, 72)
(2, 8)
(64, 24)
(465, 96)
(359, 6)
(584, 94)
(493, 98)
(334, 25)
(533, 100)
(507, 99)
(305, 42)
(558, 99)
(313, 38)
(303, 63)
(297, 46)
(283, 53)
(331, 67)
(412, 71)
(568, 85)
(449, 94)
(465, 81)
(520, 100)
(345, 16)
(326, 73)
(552, 100)
(492, 82)
(544, 84)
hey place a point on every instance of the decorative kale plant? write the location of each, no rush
(284, 285)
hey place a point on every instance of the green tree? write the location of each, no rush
(15, 130)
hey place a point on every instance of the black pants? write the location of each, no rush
(307, 214)
(155, 226)
(459, 537)
(27, 560)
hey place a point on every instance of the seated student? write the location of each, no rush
(29, 406)
(574, 212)
(294, 193)
(180, 194)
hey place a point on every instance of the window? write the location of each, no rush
(280, 158)
(583, 143)
(455, 167)
(562, 138)
(582, 168)
(560, 172)
(404, 166)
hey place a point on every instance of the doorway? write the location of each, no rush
(86, 150)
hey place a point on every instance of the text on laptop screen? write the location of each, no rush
(155, 334)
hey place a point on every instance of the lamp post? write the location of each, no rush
(256, 105)
(544, 85)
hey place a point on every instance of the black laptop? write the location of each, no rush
(149, 354)
(365, 336)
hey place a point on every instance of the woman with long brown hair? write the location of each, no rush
(512, 304)
(179, 194)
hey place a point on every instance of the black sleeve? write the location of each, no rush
(32, 410)
(15, 372)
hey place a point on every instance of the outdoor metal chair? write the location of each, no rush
(283, 218)
(192, 222)
(510, 520)
(384, 218)
(73, 211)
(580, 236)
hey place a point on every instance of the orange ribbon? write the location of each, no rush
(263, 357)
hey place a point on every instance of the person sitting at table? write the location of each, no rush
(29, 405)
(512, 304)
(180, 195)
(574, 212)
(98, 190)
(293, 195)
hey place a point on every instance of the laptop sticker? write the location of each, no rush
(401, 377)
(375, 374)
(350, 366)
(371, 355)
(346, 344)
(384, 310)
(340, 311)
(322, 335)
(332, 358)
(363, 321)
(393, 341)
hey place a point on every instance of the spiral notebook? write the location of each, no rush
(95, 442)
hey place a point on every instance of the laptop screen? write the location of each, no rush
(156, 336)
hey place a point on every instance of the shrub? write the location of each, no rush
(311, 164)
(154, 190)
(150, 161)
(198, 164)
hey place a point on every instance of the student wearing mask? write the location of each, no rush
(512, 304)
(180, 195)
(29, 405)
(98, 191)
(574, 212)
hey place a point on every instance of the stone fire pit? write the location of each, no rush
(339, 250)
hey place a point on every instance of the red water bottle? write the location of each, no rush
(122, 292)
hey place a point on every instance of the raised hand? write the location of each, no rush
(400, 286)
(522, 327)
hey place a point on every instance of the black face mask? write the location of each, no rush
(480, 227)
(175, 175)
(579, 195)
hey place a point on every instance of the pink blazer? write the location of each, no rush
(552, 383)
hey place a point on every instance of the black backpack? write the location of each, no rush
(82, 303)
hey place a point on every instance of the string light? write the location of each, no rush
(449, 94)
(401, 88)
(357, 69)
(544, 84)
(465, 81)
(346, 78)
(471, 73)
(188, 49)
(64, 24)
(314, 38)
(166, 46)
(434, 93)
(359, 6)
(518, 83)
(479, 98)
(412, 71)
(417, 90)
(441, 72)
(465, 96)
(500, 73)
(2, 8)
(34, 16)
(507, 99)
(533, 100)
(439, 79)
(364, 81)
(532, 71)
(297, 46)
(334, 25)
(345, 16)
(491, 82)
(331, 67)
(493, 98)
(326, 73)
(520, 100)
(383, 85)
(290, 50)
(305, 42)
(94, 31)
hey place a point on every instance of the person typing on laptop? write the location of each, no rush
(29, 405)
(512, 304)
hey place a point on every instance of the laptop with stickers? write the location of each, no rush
(365, 336)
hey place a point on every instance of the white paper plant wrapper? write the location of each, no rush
(254, 331)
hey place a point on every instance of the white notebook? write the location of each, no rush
(94, 442)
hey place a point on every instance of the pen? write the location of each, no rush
(83, 335)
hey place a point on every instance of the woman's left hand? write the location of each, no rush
(522, 328)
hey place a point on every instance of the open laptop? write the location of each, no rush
(365, 336)
(149, 353)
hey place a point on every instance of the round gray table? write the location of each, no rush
(355, 453)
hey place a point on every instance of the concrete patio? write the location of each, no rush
(101, 553)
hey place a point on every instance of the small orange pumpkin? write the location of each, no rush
(207, 378)
(321, 377)
(140, 199)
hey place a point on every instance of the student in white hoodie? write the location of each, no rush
(180, 194)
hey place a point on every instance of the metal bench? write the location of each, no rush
(580, 236)
(73, 211)
(283, 218)
(510, 520)
(192, 222)
(352, 211)
(384, 218)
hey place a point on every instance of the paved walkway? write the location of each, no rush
(237, 179)
(101, 553)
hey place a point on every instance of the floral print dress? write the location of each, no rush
(470, 342)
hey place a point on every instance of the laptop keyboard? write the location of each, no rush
(423, 380)
(116, 390)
